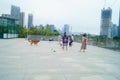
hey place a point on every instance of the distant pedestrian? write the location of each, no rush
(65, 40)
(84, 43)
(60, 40)
(71, 38)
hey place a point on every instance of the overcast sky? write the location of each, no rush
(81, 15)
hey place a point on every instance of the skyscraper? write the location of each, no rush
(15, 12)
(66, 29)
(114, 30)
(30, 20)
(52, 27)
(119, 25)
(22, 18)
(106, 16)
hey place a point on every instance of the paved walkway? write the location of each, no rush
(47, 61)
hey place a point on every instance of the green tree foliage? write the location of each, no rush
(22, 31)
(1, 29)
(99, 40)
(39, 31)
(56, 32)
(117, 40)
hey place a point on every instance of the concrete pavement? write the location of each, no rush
(47, 61)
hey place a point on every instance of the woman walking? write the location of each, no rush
(84, 43)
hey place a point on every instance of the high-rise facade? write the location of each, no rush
(119, 25)
(52, 27)
(106, 24)
(15, 12)
(114, 30)
(22, 18)
(30, 20)
(8, 26)
(66, 29)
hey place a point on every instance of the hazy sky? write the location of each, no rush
(81, 15)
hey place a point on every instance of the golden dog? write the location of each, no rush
(35, 42)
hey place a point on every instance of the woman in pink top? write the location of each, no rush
(84, 43)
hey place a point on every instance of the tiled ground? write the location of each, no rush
(47, 61)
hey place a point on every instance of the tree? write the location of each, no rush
(117, 41)
(22, 32)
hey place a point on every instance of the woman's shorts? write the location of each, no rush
(65, 44)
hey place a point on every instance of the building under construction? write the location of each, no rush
(106, 24)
